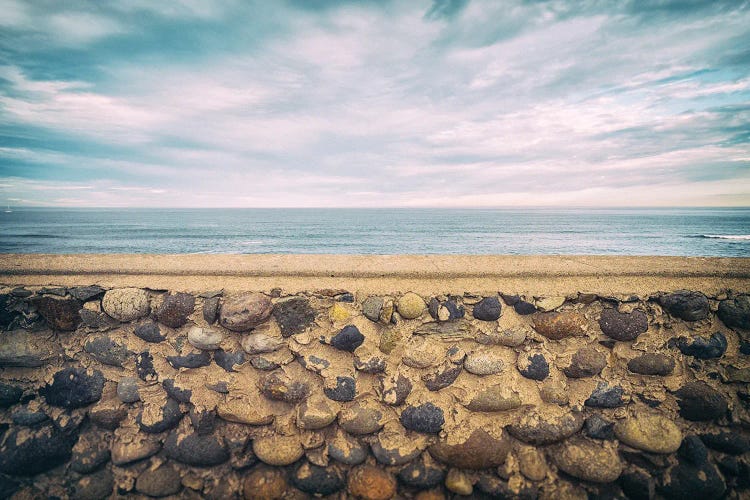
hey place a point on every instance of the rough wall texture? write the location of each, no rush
(136, 392)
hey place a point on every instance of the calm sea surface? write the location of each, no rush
(683, 231)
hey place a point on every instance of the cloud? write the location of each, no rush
(359, 103)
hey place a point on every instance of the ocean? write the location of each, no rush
(720, 232)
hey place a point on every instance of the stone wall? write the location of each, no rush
(133, 392)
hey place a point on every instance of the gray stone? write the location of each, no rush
(144, 367)
(623, 326)
(19, 348)
(74, 388)
(702, 347)
(126, 304)
(348, 339)
(426, 418)
(107, 351)
(361, 419)
(97, 486)
(540, 428)
(228, 360)
(294, 315)
(394, 389)
(202, 450)
(605, 396)
(211, 310)
(735, 313)
(484, 362)
(343, 389)
(9, 394)
(316, 480)
(127, 390)
(169, 415)
(279, 386)
(533, 365)
(160, 482)
(421, 475)
(487, 309)
(149, 332)
(442, 377)
(699, 402)
(86, 293)
(685, 304)
(205, 339)
(346, 449)
(372, 307)
(25, 452)
(244, 312)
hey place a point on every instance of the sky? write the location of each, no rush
(413, 103)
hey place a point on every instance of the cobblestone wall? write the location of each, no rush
(135, 392)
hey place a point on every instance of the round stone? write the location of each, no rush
(294, 315)
(346, 449)
(264, 483)
(394, 389)
(410, 305)
(278, 450)
(127, 390)
(700, 402)
(74, 388)
(372, 307)
(539, 427)
(259, 343)
(586, 362)
(31, 451)
(533, 365)
(426, 418)
(484, 362)
(202, 450)
(735, 313)
(348, 339)
(316, 480)
(652, 364)
(487, 309)
(686, 304)
(587, 460)
(652, 433)
(560, 325)
(360, 419)
(126, 304)
(205, 339)
(475, 450)
(160, 482)
(175, 309)
(496, 397)
(243, 312)
(106, 350)
(371, 483)
(623, 326)
(421, 474)
(458, 482)
(315, 413)
(531, 463)
(149, 332)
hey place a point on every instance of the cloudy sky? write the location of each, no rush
(374, 103)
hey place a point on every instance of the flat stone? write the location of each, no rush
(422, 353)
(623, 326)
(342, 388)
(205, 339)
(86, 293)
(652, 364)
(348, 339)
(278, 450)
(685, 304)
(144, 367)
(294, 315)
(496, 397)
(346, 449)
(587, 460)
(202, 450)
(127, 390)
(264, 483)
(487, 309)
(361, 419)
(733, 443)
(478, 450)
(74, 388)
(60, 314)
(259, 343)
(159, 418)
(315, 413)
(175, 309)
(421, 475)
(97, 486)
(392, 447)
(637, 484)
(160, 482)
(26, 452)
(547, 304)
(250, 409)
(702, 347)
(443, 376)
(202, 419)
(210, 310)
(279, 386)
(560, 325)
(149, 332)
(372, 307)
(129, 449)
(316, 480)
(540, 427)
(484, 362)
(244, 312)
(586, 362)
(394, 389)
(651, 433)
(339, 313)
(735, 313)
(371, 483)
(20, 348)
(126, 304)
(410, 305)
(426, 418)
(511, 337)
(26, 416)
(190, 359)
(107, 351)
(698, 402)
(533, 365)
(605, 396)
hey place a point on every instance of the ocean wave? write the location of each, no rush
(736, 237)
(251, 243)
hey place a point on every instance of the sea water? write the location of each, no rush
(655, 231)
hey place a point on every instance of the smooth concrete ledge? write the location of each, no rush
(381, 273)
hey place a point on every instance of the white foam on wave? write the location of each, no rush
(743, 237)
(251, 243)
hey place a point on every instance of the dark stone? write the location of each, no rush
(25, 452)
(345, 389)
(510, 300)
(293, 315)
(598, 428)
(586, 362)
(623, 326)
(9, 394)
(745, 348)
(74, 388)
(107, 351)
(203, 420)
(491, 486)
(211, 310)
(317, 480)
(735, 313)
(280, 387)
(97, 320)
(170, 415)
(59, 291)
(426, 418)
(97, 486)
(395, 390)
(21, 292)
(388, 452)
(455, 310)
(178, 393)
(175, 309)
(693, 450)
(190, 360)
(652, 364)
(60, 314)
(86, 460)
(605, 396)
(7, 312)
(487, 309)
(698, 402)
(729, 466)
(228, 360)
(686, 480)
(687, 305)
(263, 362)
(637, 484)
(8, 486)
(86, 293)
(314, 363)
(524, 308)
(144, 367)
(421, 476)
(345, 297)
(348, 339)
(702, 348)
(202, 450)
(149, 332)
(733, 443)
(127, 390)
(22, 415)
(347, 450)
(442, 377)
(538, 368)
(160, 482)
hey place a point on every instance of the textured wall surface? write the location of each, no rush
(128, 392)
